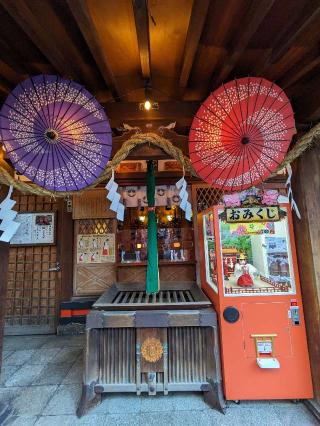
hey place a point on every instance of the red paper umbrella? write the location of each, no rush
(241, 133)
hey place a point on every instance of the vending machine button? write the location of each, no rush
(231, 314)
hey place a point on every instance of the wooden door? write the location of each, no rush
(32, 290)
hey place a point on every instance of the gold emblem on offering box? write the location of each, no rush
(151, 349)
(252, 214)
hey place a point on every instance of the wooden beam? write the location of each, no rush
(81, 14)
(307, 103)
(24, 17)
(196, 24)
(5, 86)
(303, 32)
(285, 41)
(253, 18)
(128, 112)
(141, 17)
(42, 23)
(296, 73)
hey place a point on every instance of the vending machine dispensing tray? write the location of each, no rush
(152, 343)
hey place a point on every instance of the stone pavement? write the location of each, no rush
(41, 385)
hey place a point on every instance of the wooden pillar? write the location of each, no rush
(306, 190)
(4, 259)
(65, 251)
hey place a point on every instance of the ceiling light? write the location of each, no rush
(147, 105)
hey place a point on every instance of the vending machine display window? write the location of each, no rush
(210, 251)
(256, 257)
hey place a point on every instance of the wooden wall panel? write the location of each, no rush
(93, 279)
(4, 257)
(92, 204)
(169, 273)
(177, 273)
(132, 274)
(306, 189)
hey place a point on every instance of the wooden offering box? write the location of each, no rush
(152, 343)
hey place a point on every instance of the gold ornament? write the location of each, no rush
(151, 349)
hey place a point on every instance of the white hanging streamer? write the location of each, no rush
(290, 193)
(8, 225)
(183, 194)
(114, 197)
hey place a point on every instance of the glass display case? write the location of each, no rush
(210, 251)
(256, 257)
(175, 236)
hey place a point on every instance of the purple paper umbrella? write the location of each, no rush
(55, 133)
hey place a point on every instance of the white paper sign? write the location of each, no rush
(36, 228)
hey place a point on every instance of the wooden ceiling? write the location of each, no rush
(183, 49)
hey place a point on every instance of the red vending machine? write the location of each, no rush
(249, 271)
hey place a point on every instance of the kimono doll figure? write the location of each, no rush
(225, 269)
(106, 248)
(244, 272)
(93, 256)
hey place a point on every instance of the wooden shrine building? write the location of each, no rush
(173, 53)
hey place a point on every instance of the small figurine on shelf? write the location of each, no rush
(122, 254)
(244, 272)
(171, 254)
(182, 257)
(226, 269)
(138, 258)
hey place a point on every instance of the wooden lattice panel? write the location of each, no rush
(206, 197)
(31, 290)
(93, 279)
(95, 226)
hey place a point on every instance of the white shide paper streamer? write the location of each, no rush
(114, 197)
(290, 193)
(185, 205)
(8, 225)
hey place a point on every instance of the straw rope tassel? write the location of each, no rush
(305, 142)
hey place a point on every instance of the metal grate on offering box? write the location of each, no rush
(181, 296)
(133, 296)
